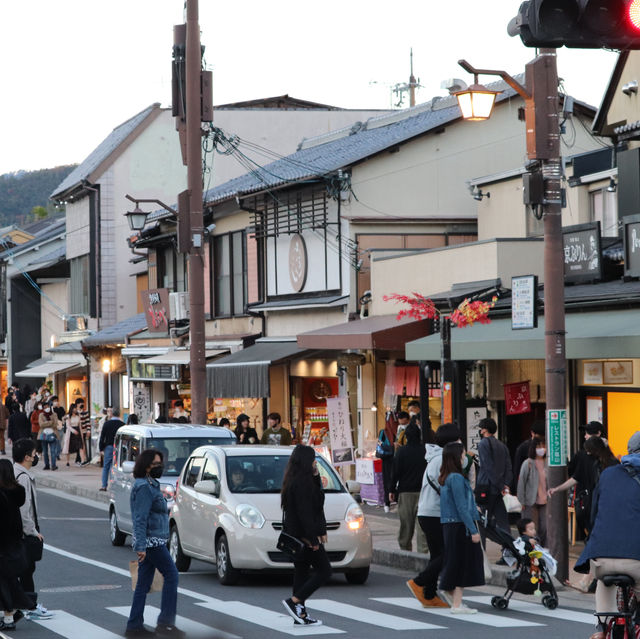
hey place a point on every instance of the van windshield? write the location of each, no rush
(176, 450)
(264, 473)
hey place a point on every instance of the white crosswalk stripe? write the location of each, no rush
(193, 629)
(363, 615)
(481, 618)
(538, 609)
(265, 618)
(71, 627)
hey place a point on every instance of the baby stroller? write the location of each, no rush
(531, 571)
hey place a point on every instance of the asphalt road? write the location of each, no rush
(84, 581)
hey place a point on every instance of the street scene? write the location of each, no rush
(320, 323)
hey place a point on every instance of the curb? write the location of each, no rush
(72, 489)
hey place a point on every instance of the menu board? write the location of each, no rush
(340, 431)
(524, 302)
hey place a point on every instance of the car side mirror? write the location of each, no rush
(127, 467)
(208, 487)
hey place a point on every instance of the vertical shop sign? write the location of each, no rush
(340, 431)
(474, 415)
(141, 404)
(557, 437)
(517, 398)
(155, 303)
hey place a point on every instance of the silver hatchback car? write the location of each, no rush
(227, 512)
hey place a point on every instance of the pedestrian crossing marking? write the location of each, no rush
(72, 627)
(539, 609)
(356, 613)
(481, 618)
(192, 628)
(266, 618)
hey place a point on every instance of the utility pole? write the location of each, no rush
(412, 81)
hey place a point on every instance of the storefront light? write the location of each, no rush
(374, 408)
(106, 365)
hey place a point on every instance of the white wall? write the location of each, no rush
(77, 216)
(54, 299)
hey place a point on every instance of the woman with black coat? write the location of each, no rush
(244, 433)
(302, 501)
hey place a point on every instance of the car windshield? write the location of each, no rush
(176, 450)
(264, 473)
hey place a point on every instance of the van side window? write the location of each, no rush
(134, 448)
(211, 470)
(193, 471)
(123, 448)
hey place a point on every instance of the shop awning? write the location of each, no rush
(178, 357)
(44, 370)
(383, 332)
(246, 372)
(606, 334)
(144, 351)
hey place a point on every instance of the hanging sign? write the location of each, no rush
(557, 437)
(524, 302)
(156, 309)
(631, 245)
(582, 252)
(340, 431)
(517, 398)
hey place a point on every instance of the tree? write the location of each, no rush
(39, 213)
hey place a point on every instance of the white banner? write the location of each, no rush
(340, 431)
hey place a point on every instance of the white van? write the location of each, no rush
(175, 441)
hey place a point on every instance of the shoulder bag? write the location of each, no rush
(483, 491)
(32, 543)
(289, 544)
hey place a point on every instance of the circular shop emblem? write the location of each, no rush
(297, 262)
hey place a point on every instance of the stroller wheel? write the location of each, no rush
(500, 603)
(550, 602)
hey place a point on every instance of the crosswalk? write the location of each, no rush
(391, 614)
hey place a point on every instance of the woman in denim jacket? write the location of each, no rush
(150, 536)
(463, 563)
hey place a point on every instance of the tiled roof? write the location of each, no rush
(116, 333)
(56, 227)
(103, 151)
(56, 255)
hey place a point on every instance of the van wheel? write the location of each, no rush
(357, 576)
(227, 574)
(117, 536)
(181, 560)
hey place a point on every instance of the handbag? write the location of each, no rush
(383, 448)
(33, 546)
(158, 580)
(483, 491)
(289, 544)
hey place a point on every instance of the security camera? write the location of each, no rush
(630, 88)
(210, 228)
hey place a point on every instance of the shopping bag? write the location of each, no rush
(156, 584)
(511, 503)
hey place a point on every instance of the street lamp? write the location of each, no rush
(136, 218)
(106, 369)
(476, 102)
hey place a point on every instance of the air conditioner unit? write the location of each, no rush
(179, 306)
(75, 323)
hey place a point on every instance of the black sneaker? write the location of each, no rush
(162, 630)
(7, 626)
(295, 610)
(309, 620)
(17, 615)
(139, 632)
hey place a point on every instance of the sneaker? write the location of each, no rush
(310, 621)
(102, 489)
(417, 592)
(386, 509)
(46, 468)
(162, 630)
(39, 612)
(139, 632)
(295, 610)
(463, 610)
(7, 626)
(446, 597)
(84, 463)
(78, 464)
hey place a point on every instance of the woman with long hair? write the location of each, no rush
(463, 562)
(73, 442)
(150, 535)
(12, 553)
(302, 501)
(532, 487)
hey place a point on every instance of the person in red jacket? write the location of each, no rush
(35, 426)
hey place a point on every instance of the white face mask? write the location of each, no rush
(540, 452)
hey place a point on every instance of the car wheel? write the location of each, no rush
(358, 576)
(181, 560)
(227, 574)
(117, 536)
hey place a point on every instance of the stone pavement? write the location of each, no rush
(84, 481)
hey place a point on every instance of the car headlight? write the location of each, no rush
(354, 517)
(249, 516)
(168, 491)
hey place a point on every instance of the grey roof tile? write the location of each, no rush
(116, 333)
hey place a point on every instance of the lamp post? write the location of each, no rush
(106, 369)
(543, 147)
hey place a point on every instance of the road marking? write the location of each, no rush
(266, 618)
(72, 627)
(77, 499)
(368, 616)
(192, 628)
(102, 519)
(479, 618)
(538, 609)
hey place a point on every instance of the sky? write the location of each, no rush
(72, 70)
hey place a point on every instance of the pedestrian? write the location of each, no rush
(150, 535)
(57, 409)
(34, 418)
(12, 552)
(302, 501)
(19, 426)
(179, 412)
(132, 419)
(424, 586)
(494, 475)
(60, 412)
(404, 419)
(384, 452)
(610, 548)
(85, 422)
(276, 434)
(107, 439)
(463, 562)
(73, 435)
(244, 433)
(532, 487)
(522, 451)
(406, 482)
(24, 459)
(225, 423)
(48, 436)
(424, 426)
(4, 424)
(31, 403)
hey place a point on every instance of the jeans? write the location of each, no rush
(428, 578)
(106, 465)
(49, 450)
(303, 584)
(159, 558)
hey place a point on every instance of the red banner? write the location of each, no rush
(518, 398)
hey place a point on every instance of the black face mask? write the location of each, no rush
(156, 471)
(35, 461)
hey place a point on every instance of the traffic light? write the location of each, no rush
(581, 24)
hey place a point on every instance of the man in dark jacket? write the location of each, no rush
(107, 438)
(19, 426)
(406, 481)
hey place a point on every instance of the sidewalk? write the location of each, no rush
(84, 481)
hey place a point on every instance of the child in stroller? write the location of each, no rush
(533, 565)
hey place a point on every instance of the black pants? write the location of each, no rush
(428, 578)
(26, 581)
(387, 470)
(304, 583)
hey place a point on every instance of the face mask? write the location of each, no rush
(540, 452)
(35, 461)
(47, 410)
(156, 471)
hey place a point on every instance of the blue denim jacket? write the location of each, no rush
(148, 512)
(457, 503)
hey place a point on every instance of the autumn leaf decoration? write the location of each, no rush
(421, 307)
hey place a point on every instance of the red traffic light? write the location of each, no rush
(633, 13)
